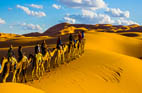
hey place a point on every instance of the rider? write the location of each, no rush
(37, 49)
(75, 43)
(79, 36)
(82, 33)
(20, 53)
(59, 42)
(44, 47)
(10, 52)
(70, 38)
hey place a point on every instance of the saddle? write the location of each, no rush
(13, 63)
(24, 65)
(39, 58)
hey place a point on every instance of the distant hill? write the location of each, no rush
(65, 28)
(9, 35)
(33, 34)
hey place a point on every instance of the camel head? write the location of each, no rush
(4, 60)
(31, 57)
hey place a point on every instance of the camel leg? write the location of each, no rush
(18, 74)
(48, 65)
(5, 77)
(69, 56)
(37, 71)
(14, 76)
(24, 77)
(42, 69)
(55, 62)
(63, 58)
(58, 60)
(74, 53)
(33, 72)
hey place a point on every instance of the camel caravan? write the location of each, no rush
(34, 66)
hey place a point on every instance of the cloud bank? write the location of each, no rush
(2, 21)
(116, 12)
(84, 4)
(56, 6)
(36, 6)
(30, 12)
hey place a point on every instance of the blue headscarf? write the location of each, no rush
(0, 66)
(82, 34)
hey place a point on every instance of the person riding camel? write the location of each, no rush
(82, 33)
(79, 36)
(70, 38)
(44, 47)
(10, 52)
(59, 43)
(37, 49)
(75, 43)
(20, 53)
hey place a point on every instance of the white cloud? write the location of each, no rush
(90, 17)
(26, 26)
(56, 6)
(85, 4)
(2, 21)
(69, 20)
(116, 12)
(32, 13)
(36, 6)
(123, 21)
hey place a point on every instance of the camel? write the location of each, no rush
(83, 45)
(38, 67)
(67, 52)
(7, 67)
(57, 58)
(63, 52)
(70, 52)
(76, 49)
(15, 67)
(47, 58)
(38, 63)
(22, 66)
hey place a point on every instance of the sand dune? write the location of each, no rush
(110, 64)
(114, 43)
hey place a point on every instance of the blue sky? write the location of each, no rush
(25, 16)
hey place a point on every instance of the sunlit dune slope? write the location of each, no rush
(109, 65)
(18, 88)
(114, 43)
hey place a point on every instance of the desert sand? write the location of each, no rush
(18, 88)
(111, 64)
